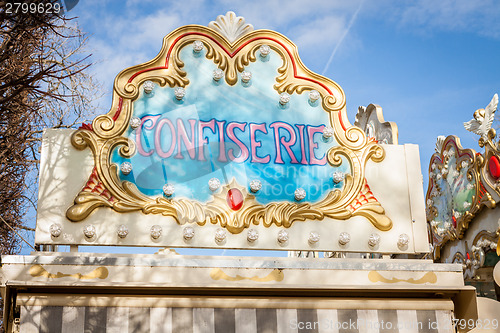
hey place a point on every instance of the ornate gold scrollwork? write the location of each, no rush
(484, 241)
(355, 198)
(491, 152)
(98, 273)
(429, 277)
(478, 175)
(275, 275)
(440, 168)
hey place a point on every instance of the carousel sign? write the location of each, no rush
(231, 131)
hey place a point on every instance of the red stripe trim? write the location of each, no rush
(118, 109)
(458, 149)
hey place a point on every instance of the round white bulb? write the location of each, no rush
(122, 231)
(148, 87)
(179, 93)
(338, 177)
(156, 232)
(220, 235)
(255, 185)
(328, 132)
(300, 194)
(264, 50)
(197, 46)
(284, 98)
(218, 74)
(252, 235)
(314, 95)
(89, 231)
(313, 237)
(188, 233)
(283, 237)
(374, 240)
(126, 168)
(404, 239)
(344, 238)
(55, 230)
(135, 122)
(168, 190)
(214, 184)
(246, 76)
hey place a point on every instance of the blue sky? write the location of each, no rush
(429, 64)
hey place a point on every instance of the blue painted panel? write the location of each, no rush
(287, 152)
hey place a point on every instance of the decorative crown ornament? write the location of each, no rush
(231, 26)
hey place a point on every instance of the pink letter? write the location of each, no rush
(254, 143)
(158, 140)
(287, 144)
(202, 140)
(311, 130)
(182, 135)
(244, 150)
(138, 135)
(222, 143)
(302, 144)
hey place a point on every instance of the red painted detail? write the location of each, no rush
(450, 140)
(482, 191)
(454, 219)
(87, 127)
(95, 186)
(118, 109)
(468, 255)
(363, 198)
(494, 167)
(234, 199)
(98, 188)
(232, 55)
(93, 180)
(482, 187)
(341, 121)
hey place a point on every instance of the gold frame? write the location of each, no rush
(469, 269)
(104, 189)
(468, 155)
(477, 171)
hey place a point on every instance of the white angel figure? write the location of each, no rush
(483, 118)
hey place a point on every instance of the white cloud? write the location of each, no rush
(478, 16)
(326, 30)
